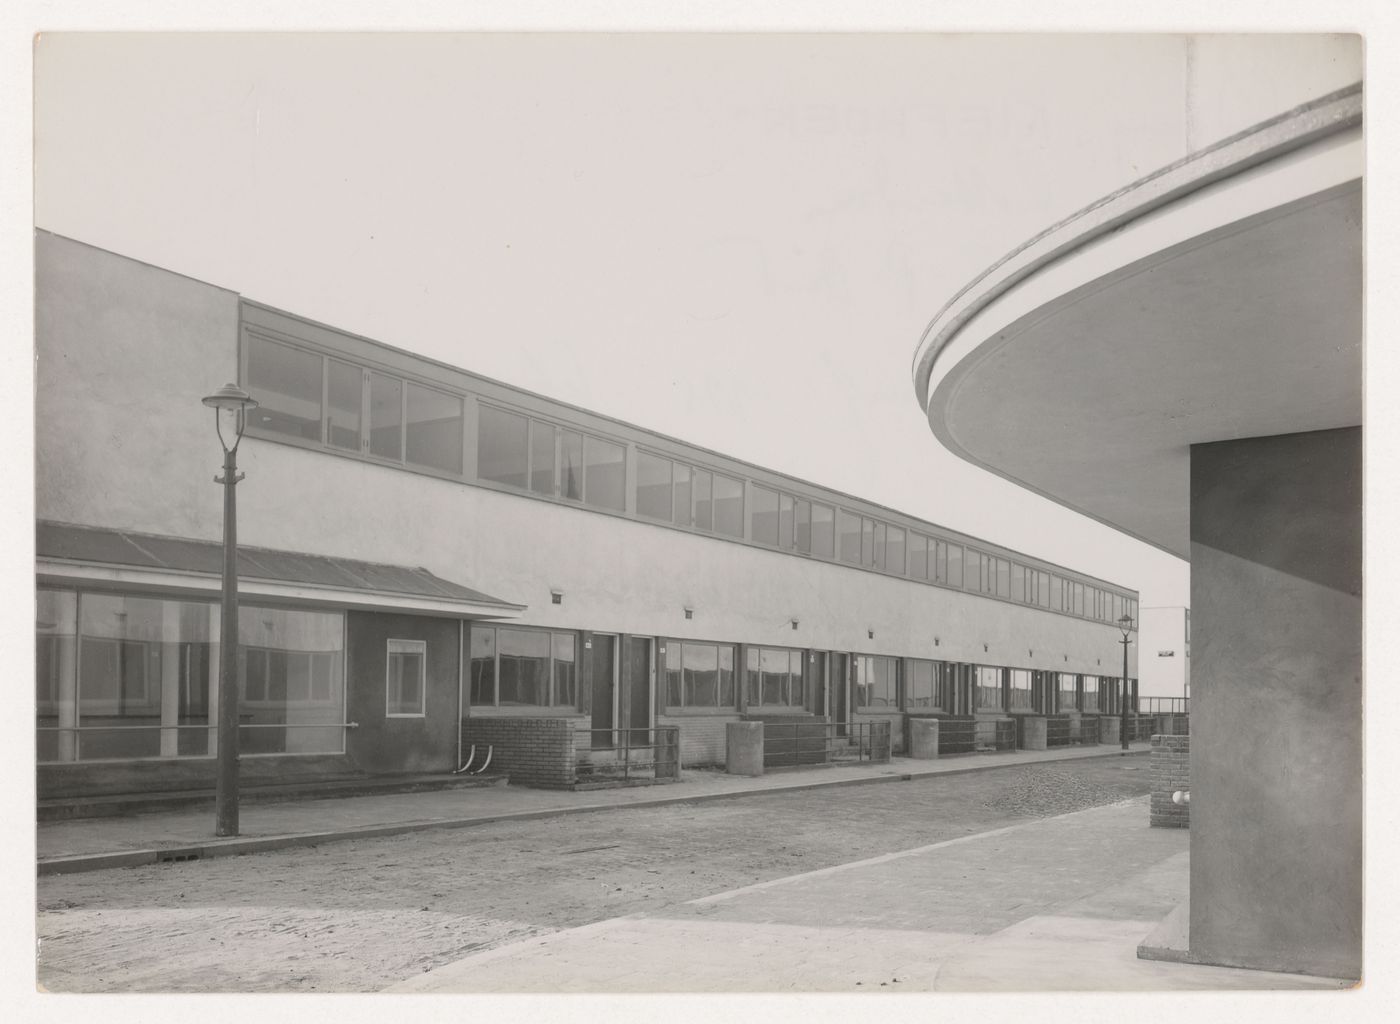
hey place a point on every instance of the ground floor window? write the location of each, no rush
(989, 695)
(699, 675)
(924, 689)
(523, 668)
(774, 677)
(404, 678)
(1069, 691)
(122, 676)
(1020, 690)
(1089, 697)
(876, 682)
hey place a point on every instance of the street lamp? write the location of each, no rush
(230, 404)
(1125, 624)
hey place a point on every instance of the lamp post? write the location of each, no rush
(1125, 624)
(230, 404)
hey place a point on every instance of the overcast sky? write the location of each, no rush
(734, 240)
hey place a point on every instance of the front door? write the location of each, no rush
(819, 684)
(839, 710)
(602, 658)
(637, 703)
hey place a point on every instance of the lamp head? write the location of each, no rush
(1126, 625)
(230, 404)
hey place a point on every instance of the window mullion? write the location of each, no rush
(403, 422)
(325, 400)
(365, 424)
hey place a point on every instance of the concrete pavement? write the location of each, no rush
(1054, 904)
(98, 843)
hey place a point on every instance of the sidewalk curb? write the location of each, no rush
(82, 862)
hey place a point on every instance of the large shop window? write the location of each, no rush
(989, 695)
(699, 675)
(293, 681)
(327, 401)
(523, 668)
(124, 677)
(774, 677)
(876, 683)
(405, 679)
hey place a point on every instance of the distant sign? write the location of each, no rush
(1166, 654)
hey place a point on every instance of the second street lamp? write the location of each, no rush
(230, 404)
(1125, 624)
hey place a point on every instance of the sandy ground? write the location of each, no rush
(360, 915)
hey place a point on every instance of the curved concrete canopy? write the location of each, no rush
(1217, 299)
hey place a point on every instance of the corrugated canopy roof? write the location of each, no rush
(120, 548)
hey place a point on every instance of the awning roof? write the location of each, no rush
(1219, 298)
(79, 551)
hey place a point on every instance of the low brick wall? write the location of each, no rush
(1171, 771)
(536, 752)
(108, 778)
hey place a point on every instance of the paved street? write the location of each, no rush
(366, 914)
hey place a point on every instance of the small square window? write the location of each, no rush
(404, 679)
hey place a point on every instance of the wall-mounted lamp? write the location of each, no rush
(661, 649)
(935, 641)
(1030, 654)
(984, 648)
(690, 613)
(794, 623)
(1066, 657)
(870, 634)
(556, 597)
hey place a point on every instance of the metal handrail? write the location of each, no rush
(863, 734)
(658, 737)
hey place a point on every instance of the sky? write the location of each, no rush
(734, 240)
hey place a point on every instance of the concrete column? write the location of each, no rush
(68, 699)
(923, 738)
(213, 703)
(1033, 732)
(170, 679)
(1276, 703)
(743, 748)
(1110, 729)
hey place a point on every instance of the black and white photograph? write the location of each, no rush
(537, 510)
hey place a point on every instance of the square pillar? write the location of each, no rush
(1276, 726)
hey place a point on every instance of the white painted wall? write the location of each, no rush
(127, 351)
(1165, 658)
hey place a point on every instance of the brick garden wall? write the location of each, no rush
(536, 752)
(1171, 771)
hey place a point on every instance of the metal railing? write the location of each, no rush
(807, 744)
(74, 734)
(1164, 705)
(627, 754)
